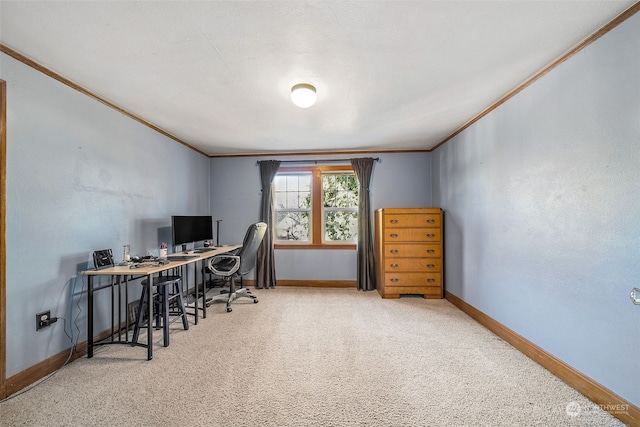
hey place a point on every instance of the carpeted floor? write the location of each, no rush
(311, 357)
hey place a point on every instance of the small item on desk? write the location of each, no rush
(102, 259)
(126, 256)
(149, 263)
(141, 259)
(162, 253)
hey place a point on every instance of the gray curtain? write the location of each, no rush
(266, 265)
(363, 168)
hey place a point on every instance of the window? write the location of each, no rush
(316, 207)
(293, 206)
(339, 207)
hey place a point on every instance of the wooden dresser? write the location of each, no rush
(408, 245)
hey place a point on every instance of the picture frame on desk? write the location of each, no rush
(103, 259)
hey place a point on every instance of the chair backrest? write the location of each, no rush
(249, 251)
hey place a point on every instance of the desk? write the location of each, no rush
(120, 272)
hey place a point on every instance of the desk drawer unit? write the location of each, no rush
(408, 244)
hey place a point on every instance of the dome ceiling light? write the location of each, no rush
(303, 95)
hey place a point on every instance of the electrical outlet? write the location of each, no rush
(44, 319)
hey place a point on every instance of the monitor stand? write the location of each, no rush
(218, 221)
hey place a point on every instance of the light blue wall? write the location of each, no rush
(80, 177)
(543, 211)
(399, 180)
(540, 197)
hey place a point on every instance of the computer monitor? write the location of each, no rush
(187, 229)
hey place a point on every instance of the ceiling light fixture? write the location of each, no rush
(303, 95)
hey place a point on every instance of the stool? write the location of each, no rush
(168, 292)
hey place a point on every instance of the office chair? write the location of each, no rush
(233, 266)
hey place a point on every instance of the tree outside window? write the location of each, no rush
(340, 207)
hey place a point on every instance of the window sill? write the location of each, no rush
(350, 246)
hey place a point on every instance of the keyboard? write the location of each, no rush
(201, 250)
(181, 257)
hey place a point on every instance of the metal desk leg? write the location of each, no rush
(119, 283)
(126, 308)
(197, 295)
(150, 317)
(90, 318)
(113, 289)
(204, 291)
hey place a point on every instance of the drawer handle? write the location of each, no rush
(394, 265)
(431, 235)
(431, 251)
(394, 280)
(393, 235)
(431, 221)
(431, 265)
(431, 280)
(394, 221)
(394, 251)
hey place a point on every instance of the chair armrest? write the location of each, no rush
(234, 268)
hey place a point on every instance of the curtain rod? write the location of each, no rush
(316, 161)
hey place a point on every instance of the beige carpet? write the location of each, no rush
(311, 357)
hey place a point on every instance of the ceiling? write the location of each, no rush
(216, 75)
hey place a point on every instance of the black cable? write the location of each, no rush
(48, 377)
(71, 349)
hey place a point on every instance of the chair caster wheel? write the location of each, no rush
(229, 309)
(255, 301)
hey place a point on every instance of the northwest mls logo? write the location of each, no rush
(573, 409)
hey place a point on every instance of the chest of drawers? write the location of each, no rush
(408, 246)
